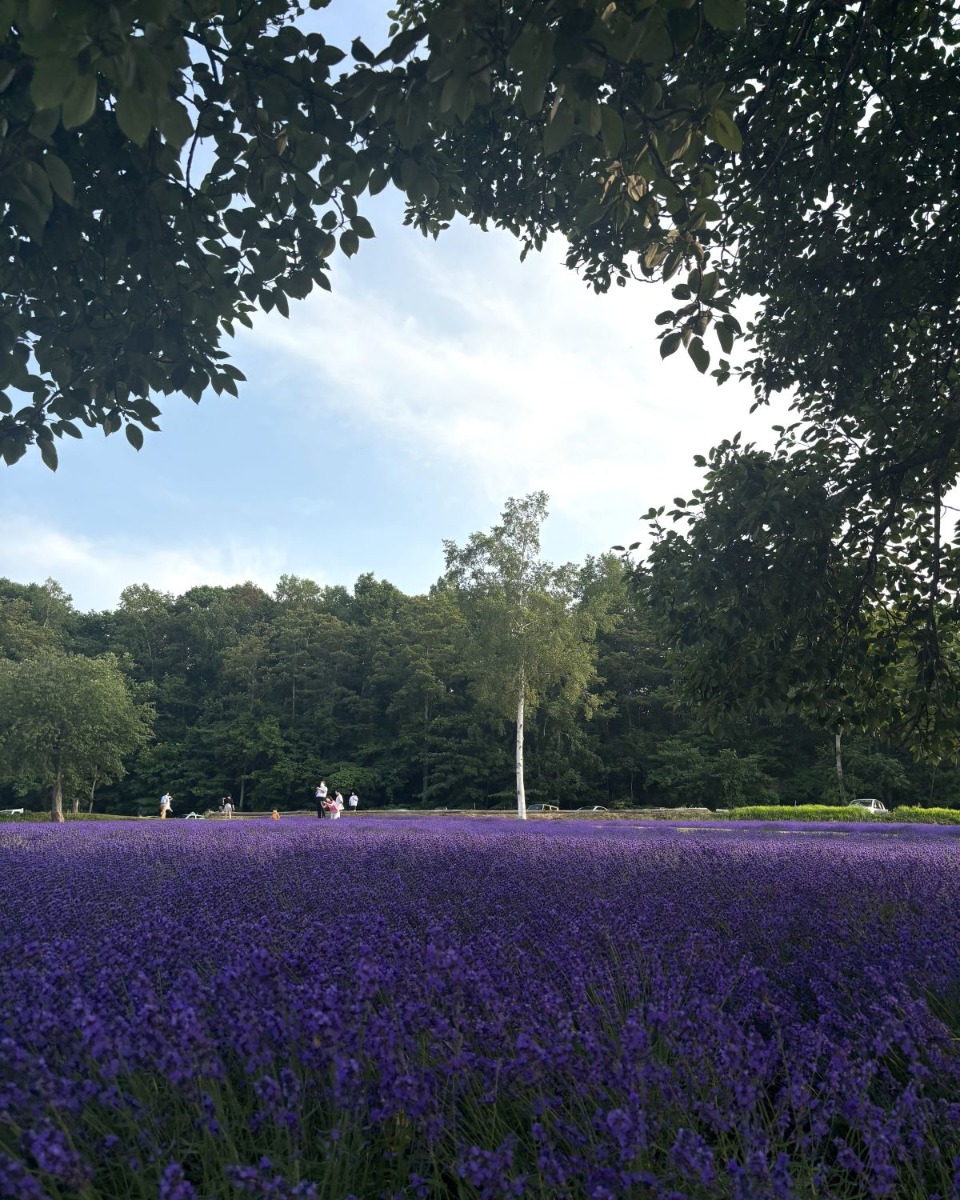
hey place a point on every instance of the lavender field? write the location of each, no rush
(410, 1008)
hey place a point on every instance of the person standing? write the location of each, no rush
(166, 804)
(228, 808)
(338, 801)
(321, 794)
(353, 800)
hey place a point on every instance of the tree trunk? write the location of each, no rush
(521, 795)
(93, 788)
(56, 798)
(243, 789)
(839, 761)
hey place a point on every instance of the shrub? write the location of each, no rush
(802, 812)
(830, 812)
(935, 816)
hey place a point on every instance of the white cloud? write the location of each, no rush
(95, 571)
(509, 377)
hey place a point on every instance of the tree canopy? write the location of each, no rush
(66, 719)
(169, 165)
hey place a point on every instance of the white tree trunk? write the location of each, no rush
(839, 763)
(521, 795)
(56, 798)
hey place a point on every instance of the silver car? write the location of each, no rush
(869, 805)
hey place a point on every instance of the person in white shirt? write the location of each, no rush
(166, 804)
(228, 808)
(321, 795)
(353, 800)
(338, 801)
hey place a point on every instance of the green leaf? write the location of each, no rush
(450, 93)
(362, 227)
(669, 344)
(134, 115)
(700, 355)
(48, 452)
(39, 13)
(656, 45)
(80, 102)
(60, 178)
(52, 79)
(175, 124)
(611, 128)
(721, 128)
(403, 43)
(349, 242)
(559, 131)
(362, 52)
(134, 436)
(727, 15)
(533, 89)
(725, 337)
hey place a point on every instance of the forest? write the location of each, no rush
(260, 695)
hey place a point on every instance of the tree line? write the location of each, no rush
(410, 699)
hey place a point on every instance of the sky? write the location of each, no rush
(437, 380)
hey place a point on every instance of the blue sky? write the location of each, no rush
(438, 379)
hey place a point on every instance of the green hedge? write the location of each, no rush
(800, 812)
(826, 812)
(935, 816)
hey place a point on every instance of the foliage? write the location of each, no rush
(826, 812)
(181, 162)
(802, 812)
(924, 816)
(831, 572)
(530, 627)
(66, 720)
(261, 696)
(165, 167)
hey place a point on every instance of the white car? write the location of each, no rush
(869, 805)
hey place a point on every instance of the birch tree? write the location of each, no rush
(528, 629)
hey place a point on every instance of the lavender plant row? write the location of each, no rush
(371, 1008)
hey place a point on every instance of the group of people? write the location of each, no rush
(327, 805)
(332, 806)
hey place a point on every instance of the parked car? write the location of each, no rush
(593, 808)
(543, 808)
(869, 805)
